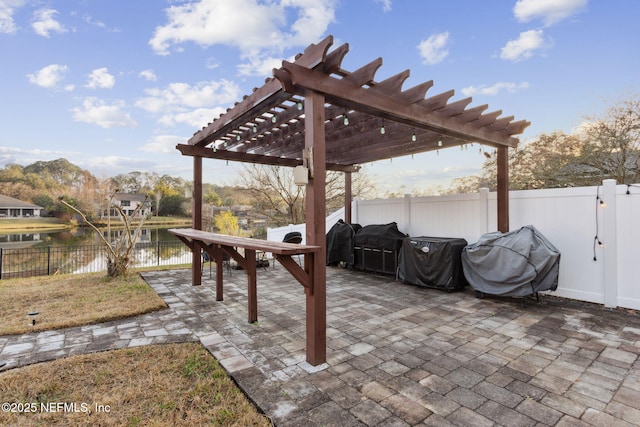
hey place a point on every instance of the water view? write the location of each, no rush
(75, 237)
(82, 251)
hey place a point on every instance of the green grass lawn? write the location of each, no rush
(172, 384)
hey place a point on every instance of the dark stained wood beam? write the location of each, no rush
(341, 92)
(503, 189)
(189, 150)
(315, 213)
(261, 100)
(196, 264)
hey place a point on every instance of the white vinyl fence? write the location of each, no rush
(573, 219)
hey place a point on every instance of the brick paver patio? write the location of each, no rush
(397, 354)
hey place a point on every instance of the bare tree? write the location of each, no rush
(613, 142)
(275, 195)
(118, 252)
(605, 147)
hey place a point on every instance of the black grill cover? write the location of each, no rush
(433, 262)
(380, 236)
(340, 241)
(517, 263)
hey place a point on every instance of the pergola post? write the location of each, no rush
(503, 189)
(196, 265)
(315, 212)
(347, 197)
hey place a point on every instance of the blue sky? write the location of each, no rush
(114, 85)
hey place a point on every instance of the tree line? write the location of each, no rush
(50, 183)
(601, 148)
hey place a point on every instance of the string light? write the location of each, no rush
(382, 129)
(440, 141)
(629, 187)
(596, 239)
(345, 119)
(414, 138)
(255, 128)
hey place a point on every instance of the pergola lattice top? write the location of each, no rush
(267, 127)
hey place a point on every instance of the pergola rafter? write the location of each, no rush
(268, 125)
(313, 111)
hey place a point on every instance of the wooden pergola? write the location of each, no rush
(314, 113)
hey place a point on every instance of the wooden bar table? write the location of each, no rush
(215, 245)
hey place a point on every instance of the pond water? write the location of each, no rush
(76, 237)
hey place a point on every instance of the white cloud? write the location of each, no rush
(549, 11)
(494, 89)
(194, 118)
(248, 25)
(524, 47)
(163, 144)
(113, 165)
(89, 20)
(386, 5)
(25, 156)
(148, 75)
(184, 103)
(434, 49)
(44, 22)
(7, 9)
(95, 111)
(49, 76)
(259, 65)
(100, 78)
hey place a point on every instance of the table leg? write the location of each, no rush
(250, 256)
(219, 270)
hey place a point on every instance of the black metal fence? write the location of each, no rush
(27, 262)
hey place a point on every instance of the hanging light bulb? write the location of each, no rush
(255, 128)
(345, 119)
(414, 138)
(299, 105)
(382, 129)
(238, 137)
(440, 141)
(274, 119)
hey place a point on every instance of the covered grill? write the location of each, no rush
(518, 263)
(433, 262)
(377, 247)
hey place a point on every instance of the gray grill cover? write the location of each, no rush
(517, 263)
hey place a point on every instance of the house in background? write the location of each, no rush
(14, 208)
(128, 202)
